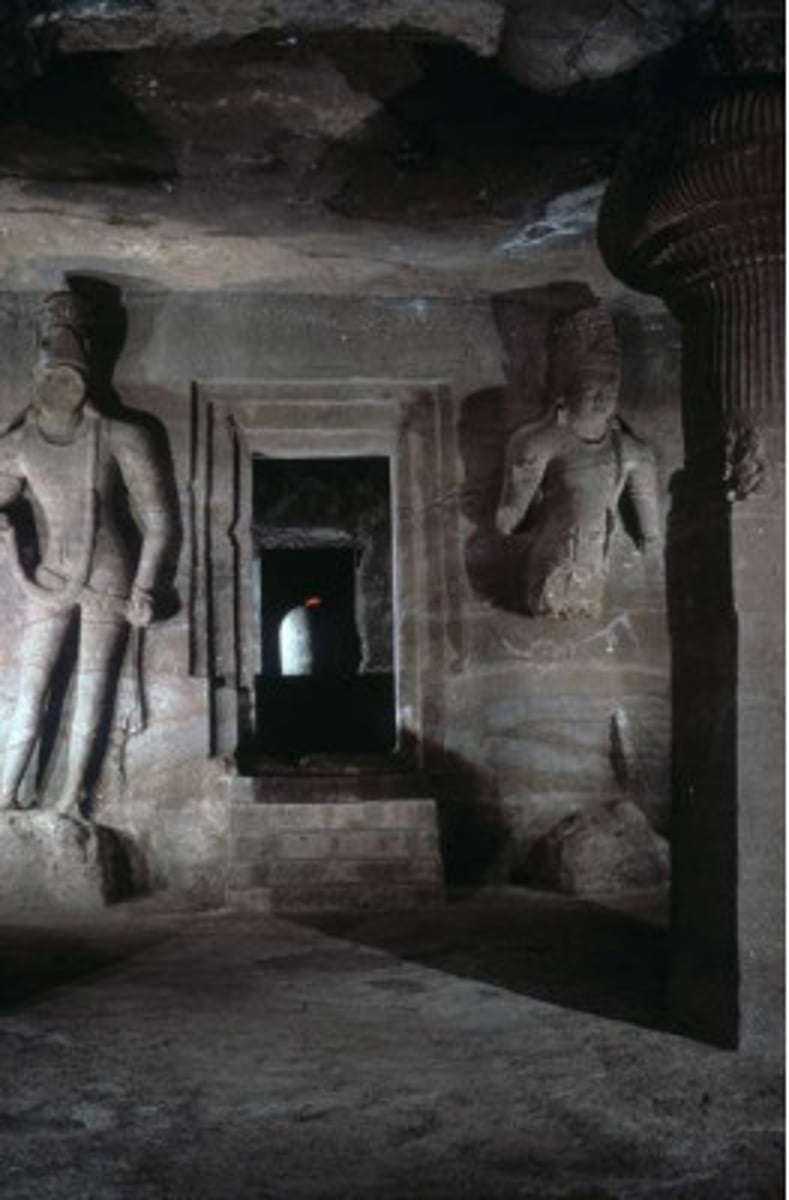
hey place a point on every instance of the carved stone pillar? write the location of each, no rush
(695, 215)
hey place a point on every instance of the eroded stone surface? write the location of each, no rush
(125, 24)
(49, 862)
(611, 848)
(283, 140)
(551, 48)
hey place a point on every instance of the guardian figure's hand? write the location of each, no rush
(139, 610)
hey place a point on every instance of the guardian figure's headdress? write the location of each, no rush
(64, 331)
(581, 343)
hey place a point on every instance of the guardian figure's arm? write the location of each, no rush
(527, 458)
(154, 509)
(11, 475)
(642, 491)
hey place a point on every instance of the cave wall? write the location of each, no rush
(538, 718)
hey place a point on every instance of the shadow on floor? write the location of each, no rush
(34, 959)
(573, 953)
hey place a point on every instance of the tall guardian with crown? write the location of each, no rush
(68, 459)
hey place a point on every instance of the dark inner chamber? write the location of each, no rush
(345, 704)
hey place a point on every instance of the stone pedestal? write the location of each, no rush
(49, 863)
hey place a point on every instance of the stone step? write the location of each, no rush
(290, 872)
(251, 899)
(354, 854)
(336, 843)
(353, 898)
(338, 788)
(403, 813)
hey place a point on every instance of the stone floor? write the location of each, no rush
(509, 1045)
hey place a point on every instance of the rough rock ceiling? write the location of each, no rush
(547, 46)
(403, 145)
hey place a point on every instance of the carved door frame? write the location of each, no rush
(234, 422)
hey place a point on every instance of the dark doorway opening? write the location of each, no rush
(323, 531)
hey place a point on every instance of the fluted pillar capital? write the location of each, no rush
(695, 214)
(699, 196)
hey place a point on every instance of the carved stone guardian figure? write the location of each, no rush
(565, 477)
(67, 459)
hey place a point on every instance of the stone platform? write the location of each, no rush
(49, 862)
(334, 851)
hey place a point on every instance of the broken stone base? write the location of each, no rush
(608, 849)
(49, 862)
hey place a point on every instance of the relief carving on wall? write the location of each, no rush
(77, 562)
(745, 461)
(566, 477)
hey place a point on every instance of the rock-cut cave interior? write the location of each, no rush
(392, 617)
